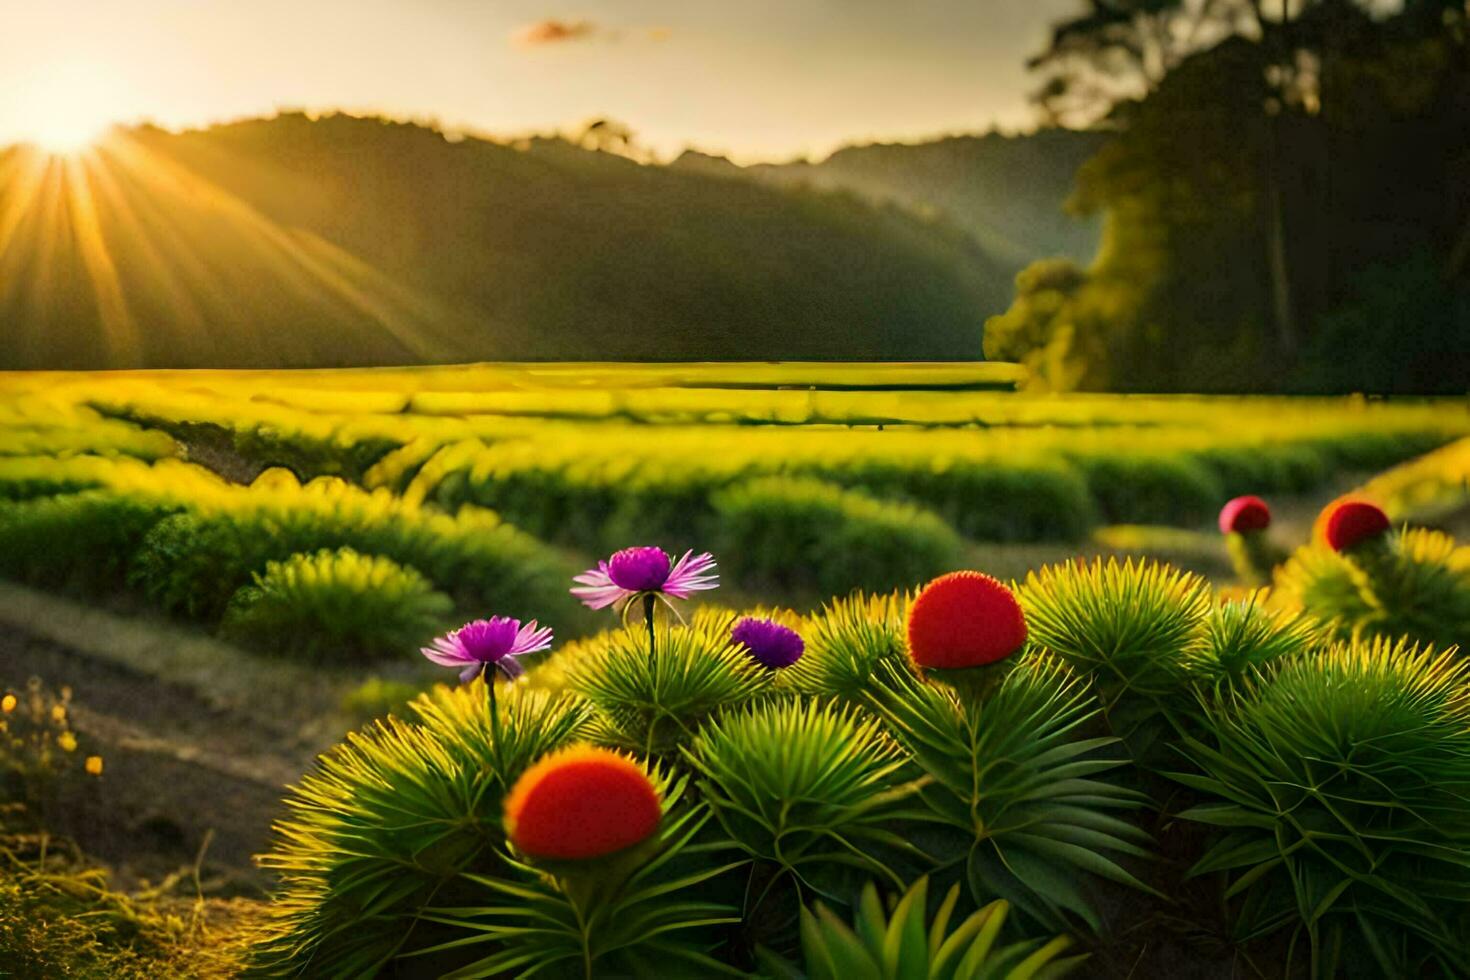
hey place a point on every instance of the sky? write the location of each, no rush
(755, 79)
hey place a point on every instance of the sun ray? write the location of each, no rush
(117, 322)
(120, 235)
(162, 271)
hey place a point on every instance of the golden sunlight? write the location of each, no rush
(66, 110)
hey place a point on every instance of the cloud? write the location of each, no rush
(553, 30)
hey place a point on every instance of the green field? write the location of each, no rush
(483, 478)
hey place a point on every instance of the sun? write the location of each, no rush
(67, 136)
(66, 109)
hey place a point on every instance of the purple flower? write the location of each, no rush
(645, 571)
(768, 641)
(496, 642)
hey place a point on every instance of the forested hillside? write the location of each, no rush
(340, 241)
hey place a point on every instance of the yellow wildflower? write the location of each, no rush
(7, 703)
(58, 713)
(67, 741)
(94, 765)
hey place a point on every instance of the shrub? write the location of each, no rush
(651, 704)
(1014, 780)
(193, 563)
(1134, 488)
(1277, 468)
(1033, 497)
(390, 820)
(1134, 630)
(1240, 638)
(637, 914)
(802, 532)
(1416, 586)
(337, 605)
(1339, 784)
(903, 945)
(81, 540)
(810, 789)
(846, 643)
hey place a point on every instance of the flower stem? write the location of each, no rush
(648, 602)
(489, 678)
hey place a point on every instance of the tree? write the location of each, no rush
(1118, 51)
(1253, 183)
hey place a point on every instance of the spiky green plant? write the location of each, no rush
(390, 819)
(901, 945)
(637, 913)
(1341, 787)
(1241, 637)
(811, 788)
(846, 642)
(337, 605)
(1134, 629)
(650, 703)
(1015, 778)
(1417, 585)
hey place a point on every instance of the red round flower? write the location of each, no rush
(581, 802)
(1349, 522)
(1244, 514)
(964, 619)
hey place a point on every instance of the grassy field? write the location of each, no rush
(483, 486)
(232, 569)
(829, 476)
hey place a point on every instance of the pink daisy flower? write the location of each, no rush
(646, 571)
(496, 643)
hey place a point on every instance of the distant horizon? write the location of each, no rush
(453, 132)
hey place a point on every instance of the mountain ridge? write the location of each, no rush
(349, 241)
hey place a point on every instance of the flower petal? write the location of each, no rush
(445, 652)
(510, 667)
(530, 639)
(471, 672)
(693, 573)
(598, 576)
(600, 596)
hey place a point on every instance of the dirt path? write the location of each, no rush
(199, 739)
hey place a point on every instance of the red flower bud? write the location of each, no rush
(1350, 522)
(964, 619)
(581, 802)
(1244, 514)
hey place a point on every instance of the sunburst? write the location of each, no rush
(65, 110)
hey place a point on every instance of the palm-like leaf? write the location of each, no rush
(1341, 784)
(649, 704)
(811, 788)
(390, 818)
(640, 913)
(902, 945)
(846, 642)
(1017, 778)
(1135, 630)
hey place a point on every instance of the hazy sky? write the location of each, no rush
(757, 78)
